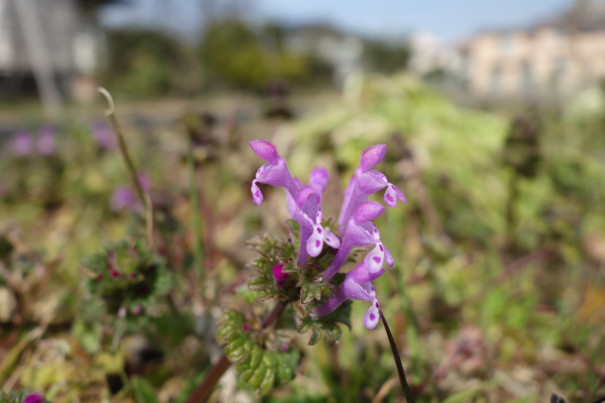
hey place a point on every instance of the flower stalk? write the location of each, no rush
(402, 379)
(144, 197)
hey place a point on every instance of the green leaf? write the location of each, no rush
(328, 325)
(256, 366)
(293, 225)
(257, 370)
(258, 284)
(285, 366)
(89, 335)
(315, 337)
(143, 391)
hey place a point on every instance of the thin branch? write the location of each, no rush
(194, 198)
(144, 197)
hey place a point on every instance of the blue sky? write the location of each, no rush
(449, 20)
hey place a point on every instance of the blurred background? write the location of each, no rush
(494, 117)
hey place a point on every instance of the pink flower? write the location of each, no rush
(355, 222)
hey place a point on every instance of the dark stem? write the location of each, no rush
(404, 383)
(204, 389)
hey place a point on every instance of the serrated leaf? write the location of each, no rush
(332, 333)
(286, 363)
(342, 314)
(268, 379)
(144, 391)
(257, 371)
(258, 284)
(163, 283)
(327, 324)
(315, 337)
(256, 356)
(293, 225)
(310, 292)
(238, 350)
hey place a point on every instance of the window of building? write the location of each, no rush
(527, 75)
(559, 70)
(496, 78)
(506, 43)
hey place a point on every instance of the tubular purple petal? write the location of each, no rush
(368, 210)
(331, 239)
(371, 317)
(307, 194)
(387, 256)
(374, 260)
(330, 305)
(319, 179)
(369, 183)
(356, 290)
(257, 195)
(265, 150)
(371, 156)
(400, 194)
(315, 244)
(361, 274)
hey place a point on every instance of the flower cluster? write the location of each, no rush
(128, 277)
(24, 142)
(355, 227)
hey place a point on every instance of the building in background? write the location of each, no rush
(556, 57)
(52, 43)
(342, 52)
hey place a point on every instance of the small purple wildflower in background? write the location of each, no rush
(33, 398)
(125, 198)
(103, 136)
(46, 140)
(22, 143)
(355, 226)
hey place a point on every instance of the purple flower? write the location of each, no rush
(279, 275)
(46, 140)
(275, 172)
(23, 143)
(366, 181)
(33, 398)
(355, 286)
(355, 222)
(319, 236)
(359, 233)
(103, 136)
(125, 198)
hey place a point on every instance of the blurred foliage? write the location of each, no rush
(233, 53)
(385, 57)
(145, 62)
(485, 305)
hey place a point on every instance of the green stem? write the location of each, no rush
(195, 214)
(134, 176)
(410, 328)
(404, 383)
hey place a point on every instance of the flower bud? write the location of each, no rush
(279, 275)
